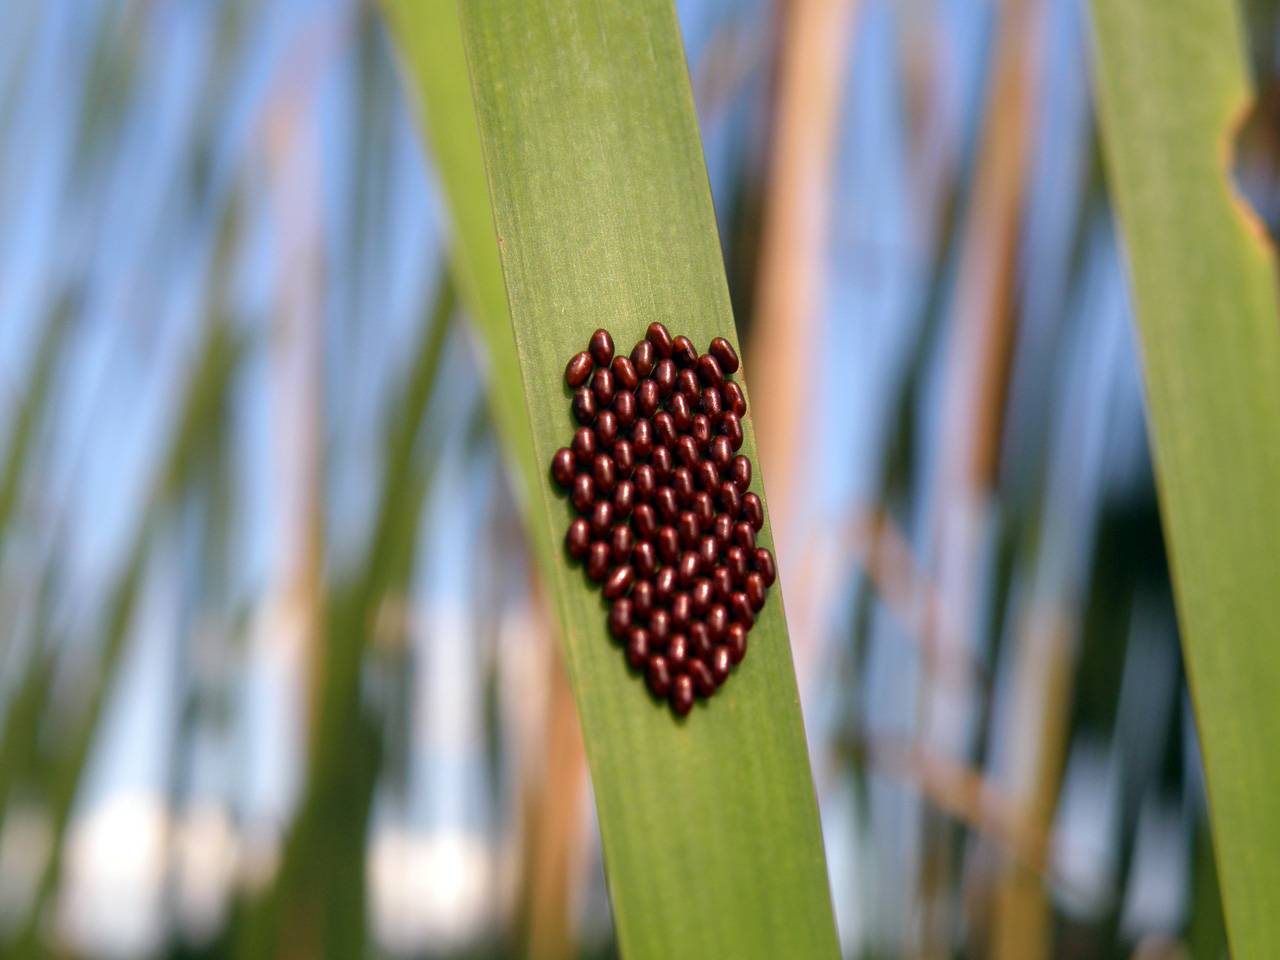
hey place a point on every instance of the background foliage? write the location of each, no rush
(276, 671)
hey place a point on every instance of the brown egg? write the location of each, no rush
(624, 373)
(721, 452)
(620, 618)
(604, 472)
(603, 387)
(678, 653)
(717, 620)
(577, 540)
(703, 682)
(725, 355)
(664, 375)
(700, 640)
(606, 428)
(578, 369)
(729, 498)
(645, 559)
(668, 543)
(584, 445)
(642, 438)
(624, 457)
(601, 518)
(688, 527)
(661, 460)
(647, 398)
(637, 647)
(624, 498)
(709, 402)
(704, 508)
(642, 358)
(740, 610)
(735, 558)
(687, 384)
(681, 412)
(597, 560)
(622, 541)
(731, 427)
(735, 638)
(664, 584)
(564, 467)
(681, 611)
(762, 561)
(722, 582)
(700, 430)
(682, 484)
(709, 371)
(642, 598)
(690, 567)
(721, 663)
(706, 476)
(644, 521)
(658, 676)
(660, 337)
(643, 478)
(700, 598)
(584, 492)
(601, 347)
(584, 405)
(733, 399)
(624, 408)
(683, 352)
(708, 551)
(618, 582)
(660, 626)
(682, 695)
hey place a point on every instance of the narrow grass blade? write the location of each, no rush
(604, 218)
(1171, 83)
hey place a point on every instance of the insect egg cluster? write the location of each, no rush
(666, 522)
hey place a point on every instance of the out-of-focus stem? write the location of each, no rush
(982, 336)
(552, 789)
(887, 558)
(1042, 691)
(964, 794)
(297, 364)
(815, 37)
(553, 839)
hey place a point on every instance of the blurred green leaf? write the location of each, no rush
(1171, 83)
(317, 905)
(205, 394)
(33, 401)
(603, 214)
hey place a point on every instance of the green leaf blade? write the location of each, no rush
(429, 38)
(1171, 83)
(603, 217)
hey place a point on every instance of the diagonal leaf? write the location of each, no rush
(603, 217)
(1171, 81)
